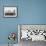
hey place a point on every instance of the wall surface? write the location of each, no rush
(7, 25)
(29, 12)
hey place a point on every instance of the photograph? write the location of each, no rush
(10, 11)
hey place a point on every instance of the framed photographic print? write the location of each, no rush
(10, 11)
